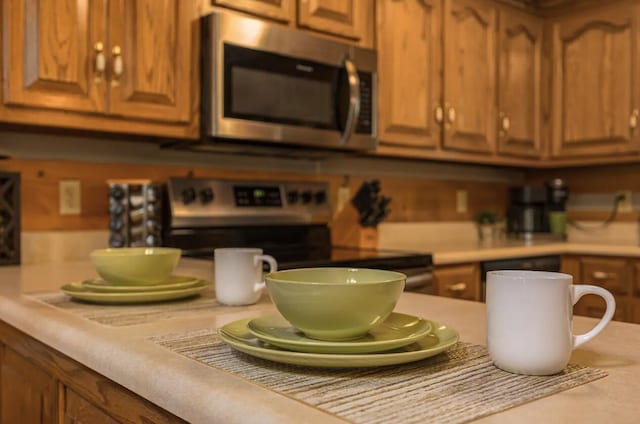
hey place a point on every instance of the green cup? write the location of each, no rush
(558, 222)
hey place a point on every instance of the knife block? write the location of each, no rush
(347, 231)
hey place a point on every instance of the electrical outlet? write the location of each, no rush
(461, 201)
(69, 197)
(626, 204)
(344, 195)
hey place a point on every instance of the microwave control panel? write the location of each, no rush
(365, 120)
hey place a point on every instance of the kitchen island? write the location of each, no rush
(196, 392)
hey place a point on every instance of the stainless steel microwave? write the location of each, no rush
(267, 83)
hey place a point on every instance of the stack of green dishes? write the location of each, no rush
(100, 291)
(401, 338)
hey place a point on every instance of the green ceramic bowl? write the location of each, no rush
(335, 303)
(135, 265)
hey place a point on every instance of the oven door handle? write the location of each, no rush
(419, 280)
(354, 101)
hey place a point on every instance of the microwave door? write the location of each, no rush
(271, 97)
(348, 101)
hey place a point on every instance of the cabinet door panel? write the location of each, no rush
(595, 86)
(278, 10)
(50, 57)
(155, 42)
(28, 393)
(78, 410)
(470, 75)
(337, 17)
(594, 306)
(459, 281)
(409, 58)
(519, 88)
(614, 274)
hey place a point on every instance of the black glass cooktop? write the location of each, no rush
(340, 256)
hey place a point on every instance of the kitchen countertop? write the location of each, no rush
(473, 251)
(209, 394)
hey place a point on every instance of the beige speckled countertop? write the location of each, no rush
(211, 395)
(473, 251)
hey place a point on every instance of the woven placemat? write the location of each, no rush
(124, 315)
(456, 386)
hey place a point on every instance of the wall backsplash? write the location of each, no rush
(424, 193)
(421, 191)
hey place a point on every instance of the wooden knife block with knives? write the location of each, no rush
(356, 225)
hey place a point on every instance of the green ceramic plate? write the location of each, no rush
(237, 335)
(396, 331)
(77, 291)
(174, 282)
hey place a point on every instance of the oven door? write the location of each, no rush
(261, 89)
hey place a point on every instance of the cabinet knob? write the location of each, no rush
(505, 123)
(601, 275)
(118, 65)
(451, 114)
(100, 62)
(458, 287)
(439, 114)
(633, 119)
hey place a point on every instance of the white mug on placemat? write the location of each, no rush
(529, 320)
(238, 274)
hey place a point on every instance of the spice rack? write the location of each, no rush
(134, 213)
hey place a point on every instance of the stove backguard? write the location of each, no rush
(290, 243)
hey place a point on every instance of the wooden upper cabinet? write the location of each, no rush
(470, 75)
(409, 71)
(344, 18)
(277, 10)
(595, 82)
(519, 90)
(150, 55)
(50, 61)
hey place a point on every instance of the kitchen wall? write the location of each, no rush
(592, 189)
(421, 191)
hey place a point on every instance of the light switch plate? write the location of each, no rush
(69, 197)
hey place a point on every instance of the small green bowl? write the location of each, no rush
(141, 266)
(335, 303)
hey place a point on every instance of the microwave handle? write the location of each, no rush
(354, 101)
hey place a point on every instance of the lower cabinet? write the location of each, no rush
(461, 281)
(40, 385)
(619, 275)
(28, 393)
(76, 409)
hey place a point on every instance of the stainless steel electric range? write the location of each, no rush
(288, 220)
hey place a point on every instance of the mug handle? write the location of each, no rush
(273, 266)
(580, 290)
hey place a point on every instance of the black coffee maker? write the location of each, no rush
(537, 210)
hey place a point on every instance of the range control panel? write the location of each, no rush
(211, 202)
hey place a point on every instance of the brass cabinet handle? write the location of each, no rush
(458, 287)
(118, 65)
(601, 275)
(505, 122)
(451, 114)
(438, 113)
(633, 119)
(100, 62)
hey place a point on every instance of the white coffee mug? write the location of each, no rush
(529, 319)
(238, 274)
